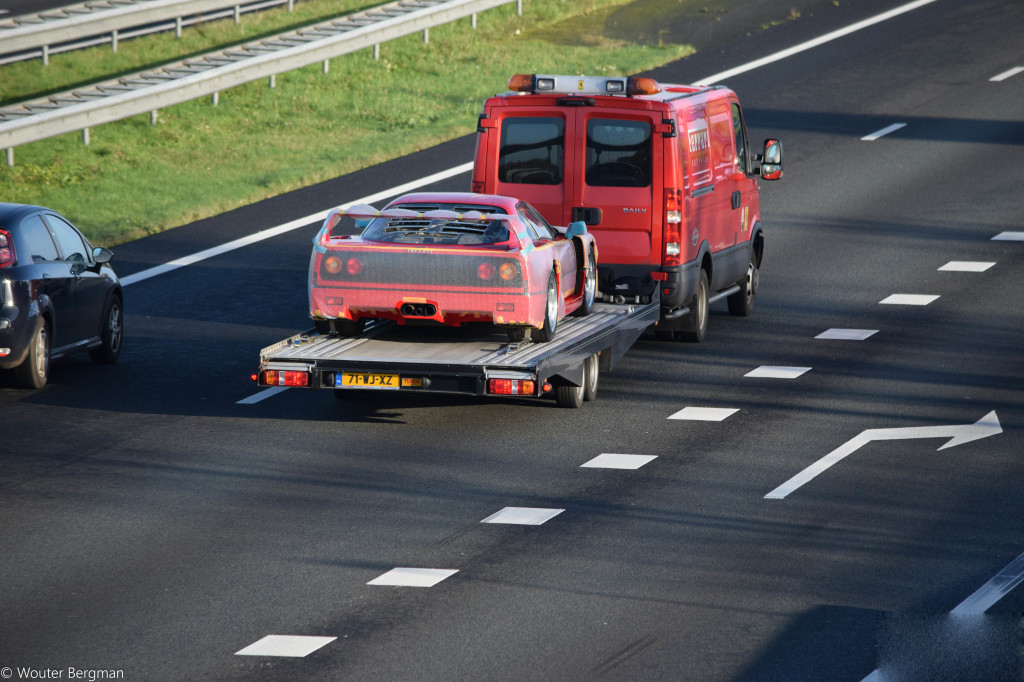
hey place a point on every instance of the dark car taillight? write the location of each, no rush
(6, 249)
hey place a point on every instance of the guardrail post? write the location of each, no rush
(216, 98)
(85, 136)
(10, 157)
(46, 55)
(327, 66)
(177, 27)
(273, 82)
(519, 8)
(426, 36)
(291, 5)
(472, 20)
(113, 40)
(152, 118)
(376, 52)
(238, 14)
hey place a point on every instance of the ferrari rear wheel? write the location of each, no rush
(547, 332)
(589, 287)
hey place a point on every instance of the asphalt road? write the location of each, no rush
(151, 524)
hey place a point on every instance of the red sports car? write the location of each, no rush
(451, 258)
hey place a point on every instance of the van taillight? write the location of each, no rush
(673, 226)
(6, 249)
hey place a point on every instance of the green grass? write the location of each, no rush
(200, 160)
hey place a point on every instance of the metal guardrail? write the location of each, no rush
(97, 22)
(152, 90)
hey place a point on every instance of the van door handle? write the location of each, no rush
(737, 199)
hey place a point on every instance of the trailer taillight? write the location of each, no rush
(673, 226)
(511, 387)
(278, 377)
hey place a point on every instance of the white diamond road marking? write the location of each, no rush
(523, 516)
(769, 372)
(966, 266)
(705, 414)
(1009, 237)
(614, 461)
(908, 299)
(292, 646)
(846, 334)
(413, 577)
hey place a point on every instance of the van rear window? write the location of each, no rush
(618, 153)
(532, 151)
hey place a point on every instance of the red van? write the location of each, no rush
(662, 175)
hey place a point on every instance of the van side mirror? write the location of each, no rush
(771, 160)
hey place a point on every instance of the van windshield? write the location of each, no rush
(618, 153)
(532, 150)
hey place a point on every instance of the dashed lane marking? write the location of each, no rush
(523, 516)
(262, 395)
(289, 646)
(966, 266)
(772, 372)
(616, 461)
(413, 577)
(705, 414)
(909, 299)
(1009, 237)
(1007, 74)
(883, 132)
(847, 334)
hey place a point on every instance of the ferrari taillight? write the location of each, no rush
(508, 271)
(332, 264)
(511, 387)
(353, 266)
(673, 226)
(274, 377)
(6, 249)
(485, 271)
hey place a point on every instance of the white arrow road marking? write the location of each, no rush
(958, 435)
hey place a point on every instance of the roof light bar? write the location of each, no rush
(583, 85)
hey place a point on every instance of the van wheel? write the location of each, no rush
(741, 304)
(589, 288)
(35, 368)
(697, 321)
(547, 332)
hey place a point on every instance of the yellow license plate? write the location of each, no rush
(356, 380)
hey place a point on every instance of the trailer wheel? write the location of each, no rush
(547, 332)
(569, 396)
(591, 369)
(697, 320)
(741, 304)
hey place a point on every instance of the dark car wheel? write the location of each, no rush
(112, 335)
(547, 332)
(35, 369)
(589, 288)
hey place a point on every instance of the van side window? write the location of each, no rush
(723, 150)
(698, 143)
(618, 153)
(532, 150)
(740, 133)
(40, 244)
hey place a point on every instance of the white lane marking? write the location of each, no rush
(1009, 237)
(292, 646)
(821, 40)
(883, 132)
(614, 461)
(771, 372)
(966, 266)
(1007, 74)
(289, 226)
(262, 395)
(982, 600)
(413, 577)
(958, 434)
(846, 334)
(908, 299)
(995, 589)
(705, 414)
(523, 516)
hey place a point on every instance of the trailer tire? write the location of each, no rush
(591, 370)
(569, 396)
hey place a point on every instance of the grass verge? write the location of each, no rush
(199, 160)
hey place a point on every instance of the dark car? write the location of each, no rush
(58, 294)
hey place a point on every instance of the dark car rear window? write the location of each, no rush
(618, 153)
(532, 150)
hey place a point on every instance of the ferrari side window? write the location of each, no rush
(539, 228)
